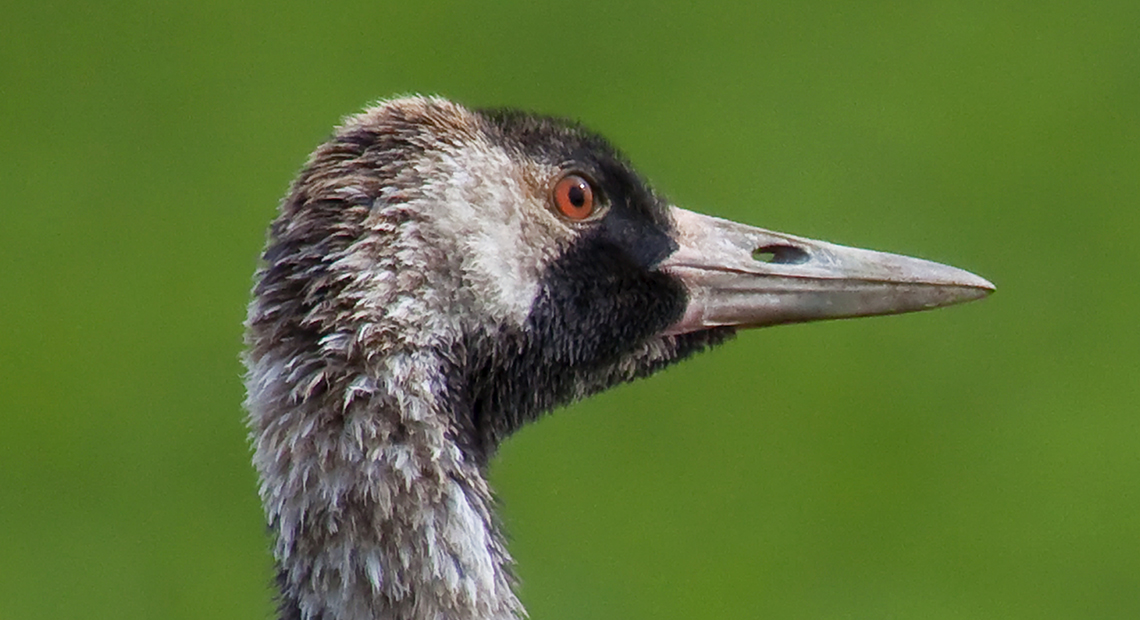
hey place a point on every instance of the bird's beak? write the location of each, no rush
(751, 277)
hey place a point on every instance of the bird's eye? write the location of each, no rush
(574, 197)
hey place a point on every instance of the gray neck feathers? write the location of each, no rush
(377, 512)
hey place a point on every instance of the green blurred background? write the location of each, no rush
(976, 462)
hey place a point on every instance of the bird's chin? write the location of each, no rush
(692, 322)
(694, 339)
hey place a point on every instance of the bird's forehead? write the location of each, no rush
(544, 138)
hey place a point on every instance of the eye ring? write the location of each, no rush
(574, 197)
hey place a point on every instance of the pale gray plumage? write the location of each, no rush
(420, 299)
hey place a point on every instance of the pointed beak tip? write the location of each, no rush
(979, 286)
(957, 287)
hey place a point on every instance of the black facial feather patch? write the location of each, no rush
(599, 303)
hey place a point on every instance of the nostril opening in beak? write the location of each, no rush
(780, 255)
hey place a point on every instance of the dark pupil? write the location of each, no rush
(577, 195)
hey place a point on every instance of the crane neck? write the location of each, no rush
(376, 510)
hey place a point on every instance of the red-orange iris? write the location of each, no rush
(574, 197)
